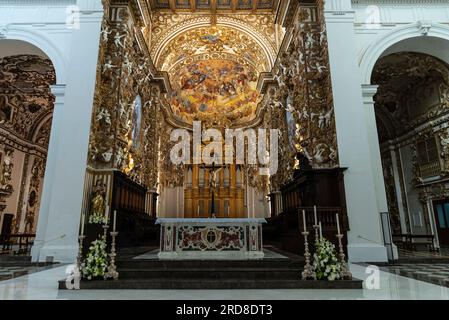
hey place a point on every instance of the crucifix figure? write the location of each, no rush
(213, 185)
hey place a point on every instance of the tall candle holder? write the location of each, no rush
(112, 268)
(105, 231)
(316, 227)
(79, 257)
(344, 266)
(308, 271)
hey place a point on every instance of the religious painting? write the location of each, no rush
(221, 90)
(137, 121)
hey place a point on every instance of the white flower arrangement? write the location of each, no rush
(97, 218)
(96, 261)
(325, 262)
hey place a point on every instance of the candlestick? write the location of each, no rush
(115, 219)
(79, 258)
(112, 268)
(315, 215)
(308, 272)
(338, 224)
(346, 274)
(321, 231)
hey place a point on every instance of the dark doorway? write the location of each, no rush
(441, 210)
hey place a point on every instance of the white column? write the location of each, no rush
(60, 211)
(368, 92)
(365, 241)
(59, 93)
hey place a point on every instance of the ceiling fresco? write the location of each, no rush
(214, 64)
(212, 40)
(222, 90)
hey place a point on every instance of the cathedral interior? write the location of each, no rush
(246, 65)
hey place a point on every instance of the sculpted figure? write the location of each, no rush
(98, 202)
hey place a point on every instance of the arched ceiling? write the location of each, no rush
(412, 87)
(214, 64)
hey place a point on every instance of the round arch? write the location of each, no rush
(198, 23)
(383, 42)
(43, 44)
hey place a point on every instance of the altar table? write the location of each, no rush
(211, 238)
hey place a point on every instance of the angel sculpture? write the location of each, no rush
(118, 40)
(108, 66)
(105, 34)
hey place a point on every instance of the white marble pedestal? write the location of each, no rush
(211, 239)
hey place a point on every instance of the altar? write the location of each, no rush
(211, 238)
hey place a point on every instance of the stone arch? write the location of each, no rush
(385, 41)
(41, 43)
(191, 24)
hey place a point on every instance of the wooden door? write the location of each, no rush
(441, 210)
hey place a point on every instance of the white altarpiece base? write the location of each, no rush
(211, 238)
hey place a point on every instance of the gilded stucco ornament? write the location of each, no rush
(304, 97)
(124, 72)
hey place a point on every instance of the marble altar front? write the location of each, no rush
(211, 238)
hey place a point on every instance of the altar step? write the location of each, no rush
(212, 273)
(215, 284)
(278, 270)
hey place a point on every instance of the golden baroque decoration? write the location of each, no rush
(165, 26)
(6, 170)
(304, 95)
(25, 96)
(126, 104)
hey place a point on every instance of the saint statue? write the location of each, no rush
(98, 203)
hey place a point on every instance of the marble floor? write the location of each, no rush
(43, 285)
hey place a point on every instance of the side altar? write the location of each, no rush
(211, 238)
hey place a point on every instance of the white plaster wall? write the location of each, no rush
(377, 28)
(74, 53)
(379, 25)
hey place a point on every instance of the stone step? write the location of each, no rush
(207, 264)
(215, 284)
(211, 274)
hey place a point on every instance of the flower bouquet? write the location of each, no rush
(325, 262)
(96, 261)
